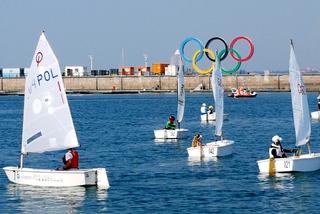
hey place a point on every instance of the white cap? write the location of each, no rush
(276, 138)
(203, 104)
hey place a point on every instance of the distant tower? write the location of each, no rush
(145, 59)
(91, 62)
(122, 57)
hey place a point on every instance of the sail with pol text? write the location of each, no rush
(300, 108)
(47, 122)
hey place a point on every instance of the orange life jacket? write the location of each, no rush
(75, 160)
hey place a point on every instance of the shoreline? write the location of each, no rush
(164, 84)
(92, 92)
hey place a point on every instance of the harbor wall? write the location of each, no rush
(165, 83)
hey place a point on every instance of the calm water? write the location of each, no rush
(116, 132)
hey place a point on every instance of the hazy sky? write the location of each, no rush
(77, 28)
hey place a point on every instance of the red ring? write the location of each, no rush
(233, 42)
(39, 57)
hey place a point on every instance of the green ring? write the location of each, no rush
(236, 68)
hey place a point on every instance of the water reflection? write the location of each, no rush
(212, 122)
(52, 199)
(194, 161)
(278, 181)
(163, 141)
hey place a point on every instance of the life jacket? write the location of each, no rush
(203, 110)
(279, 151)
(75, 160)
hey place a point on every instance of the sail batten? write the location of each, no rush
(181, 92)
(218, 91)
(299, 100)
(47, 122)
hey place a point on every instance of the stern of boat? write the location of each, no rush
(170, 134)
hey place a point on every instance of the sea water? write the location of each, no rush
(148, 176)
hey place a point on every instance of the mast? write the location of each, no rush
(21, 160)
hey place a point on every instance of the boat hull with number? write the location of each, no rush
(315, 115)
(170, 134)
(302, 163)
(58, 178)
(208, 117)
(212, 149)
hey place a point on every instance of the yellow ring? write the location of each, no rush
(194, 65)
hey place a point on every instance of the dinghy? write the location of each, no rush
(242, 93)
(208, 117)
(315, 115)
(220, 147)
(179, 132)
(302, 124)
(48, 126)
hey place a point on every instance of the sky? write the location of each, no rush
(76, 29)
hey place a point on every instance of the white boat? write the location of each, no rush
(179, 132)
(48, 126)
(208, 117)
(220, 147)
(315, 115)
(211, 117)
(302, 124)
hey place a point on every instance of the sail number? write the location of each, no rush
(286, 164)
(45, 76)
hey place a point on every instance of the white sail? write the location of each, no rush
(299, 99)
(217, 88)
(47, 122)
(181, 92)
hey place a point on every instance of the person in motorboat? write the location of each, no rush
(203, 109)
(210, 111)
(196, 141)
(71, 159)
(170, 124)
(276, 150)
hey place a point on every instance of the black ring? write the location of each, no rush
(225, 44)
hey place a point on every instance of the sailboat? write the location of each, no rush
(220, 147)
(302, 124)
(179, 132)
(315, 115)
(48, 126)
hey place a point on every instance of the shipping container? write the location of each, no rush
(10, 72)
(127, 70)
(114, 71)
(159, 68)
(143, 70)
(75, 71)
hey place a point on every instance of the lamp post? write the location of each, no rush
(91, 62)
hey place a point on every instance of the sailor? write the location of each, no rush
(276, 150)
(203, 109)
(196, 141)
(71, 159)
(318, 98)
(170, 124)
(210, 111)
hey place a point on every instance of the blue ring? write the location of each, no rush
(183, 44)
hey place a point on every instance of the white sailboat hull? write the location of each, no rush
(315, 115)
(212, 149)
(170, 134)
(56, 178)
(208, 117)
(302, 163)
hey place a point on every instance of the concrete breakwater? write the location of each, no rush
(166, 83)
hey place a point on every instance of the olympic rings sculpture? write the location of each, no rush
(211, 56)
